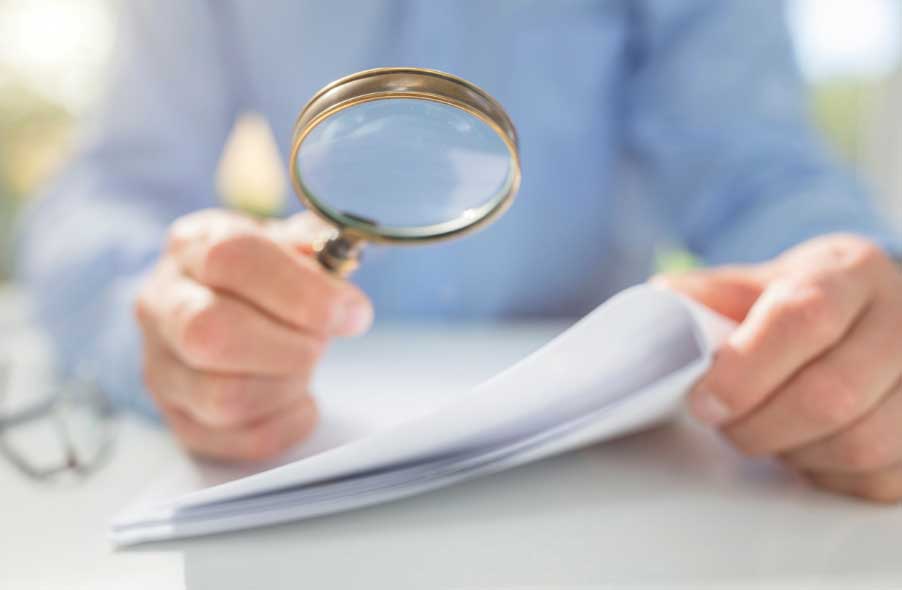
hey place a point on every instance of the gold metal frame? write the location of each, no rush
(339, 255)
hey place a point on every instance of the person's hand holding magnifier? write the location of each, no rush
(237, 312)
(402, 156)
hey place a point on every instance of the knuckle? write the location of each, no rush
(864, 254)
(825, 398)
(851, 251)
(188, 228)
(811, 310)
(179, 233)
(853, 254)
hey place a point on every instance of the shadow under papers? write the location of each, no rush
(672, 506)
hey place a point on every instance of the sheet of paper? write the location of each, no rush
(620, 368)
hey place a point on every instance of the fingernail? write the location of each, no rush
(356, 318)
(707, 408)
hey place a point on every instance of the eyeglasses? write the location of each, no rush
(51, 429)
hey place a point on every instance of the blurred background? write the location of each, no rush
(52, 56)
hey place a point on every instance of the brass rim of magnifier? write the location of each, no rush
(406, 83)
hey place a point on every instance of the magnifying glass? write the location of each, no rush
(402, 156)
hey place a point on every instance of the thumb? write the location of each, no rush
(730, 291)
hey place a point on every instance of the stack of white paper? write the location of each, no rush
(622, 367)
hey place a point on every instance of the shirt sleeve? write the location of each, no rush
(718, 121)
(147, 156)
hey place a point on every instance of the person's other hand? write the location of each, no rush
(234, 317)
(813, 373)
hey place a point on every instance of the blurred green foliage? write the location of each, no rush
(32, 139)
(843, 109)
(674, 261)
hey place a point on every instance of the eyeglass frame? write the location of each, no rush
(52, 406)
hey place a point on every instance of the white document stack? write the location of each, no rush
(623, 367)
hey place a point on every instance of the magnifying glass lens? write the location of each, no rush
(403, 164)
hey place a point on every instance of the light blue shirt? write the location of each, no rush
(642, 123)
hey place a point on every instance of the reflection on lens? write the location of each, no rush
(404, 163)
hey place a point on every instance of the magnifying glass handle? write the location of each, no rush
(340, 255)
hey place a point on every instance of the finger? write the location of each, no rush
(218, 400)
(241, 258)
(881, 486)
(730, 291)
(831, 392)
(794, 321)
(301, 232)
(261, 440)
(216, 332)
(871, 444)
(208, 222)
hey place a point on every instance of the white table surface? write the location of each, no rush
(669, 508)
